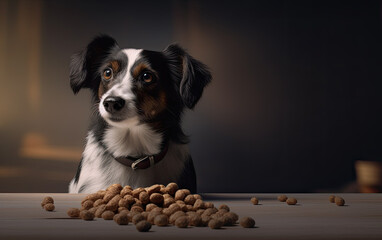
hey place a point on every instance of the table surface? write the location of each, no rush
(314, 217)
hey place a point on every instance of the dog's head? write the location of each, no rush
(135, 86)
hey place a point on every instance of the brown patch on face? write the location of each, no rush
(115, 66)
(139, 68)
(101, 89)
(151, 106)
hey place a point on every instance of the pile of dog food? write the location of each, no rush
(155, 205)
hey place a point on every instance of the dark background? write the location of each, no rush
(295, 98)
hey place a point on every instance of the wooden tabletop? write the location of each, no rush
(21, 217)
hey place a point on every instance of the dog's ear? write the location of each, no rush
(84, 65)
(191, 74)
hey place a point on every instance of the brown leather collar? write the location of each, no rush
(143, 162)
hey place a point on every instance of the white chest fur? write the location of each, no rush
(100, 169)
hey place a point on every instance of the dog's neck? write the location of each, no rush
(135, 141)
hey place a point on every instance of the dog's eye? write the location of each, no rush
(107, 73)
(147, 77)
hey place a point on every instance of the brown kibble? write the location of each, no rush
(121, 209)
(98, 202)
(121, 219)
(73, 212)
(153, 189)
(100, 210)
(130, 215)
(199, 204)
(137, 203)
(168, 201)
(87, 204)
(143, 226)
(49, 207)
(225, 207)
(150, 207)
(282, 198)
(156, 198)
(94, 196)
(189, 199)
(47, 200)
(126, 191)
(136, 209)
(339, 201)
(205, 220)
(145, 214)
(180, 195)
(166, 195)
(144, 197)
(234, 217)
(291, 201)
(209, 211)
(171, 188)
(86, 215)
(254, 201)
(227, 221)
(186, 191)
(93, 210)
(163, 190)
(247, 222)
(200, 211)
(208, 205)
(107, 215)
(152, 215)
(176, 215)
(108, 196)
(112, 205)
(130, 199)
(195, 220)
(182, 222)
(215, 224)
(332, 198)
(137, 191)
(123, 203)
(161, 220)
(197, 196)
(137, 218)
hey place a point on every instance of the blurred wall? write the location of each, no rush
(295, 98)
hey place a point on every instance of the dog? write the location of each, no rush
(135, 136)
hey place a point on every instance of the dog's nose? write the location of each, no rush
(113, 104)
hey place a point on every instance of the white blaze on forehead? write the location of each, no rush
(132, 56)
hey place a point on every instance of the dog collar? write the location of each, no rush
(143, 162)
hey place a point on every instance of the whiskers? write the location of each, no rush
(94, 111)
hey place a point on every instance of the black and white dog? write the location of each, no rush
(135, 137)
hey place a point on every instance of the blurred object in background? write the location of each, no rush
(369, 176)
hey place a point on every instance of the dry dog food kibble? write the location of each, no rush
(108, 215)
(47, 200)
(121, 219)
(86, 215)
(143, 226)
(282, 198)
(339, 201)
(254, 201)
(158, 204)
(215, 224)
(137, 218)
(331, 198)
(161, 220)
(73, 212)
(291, 201)
(247, 222)
(49, 207)
(182, 222)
